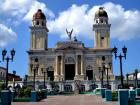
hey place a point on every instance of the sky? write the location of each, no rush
(16, 17)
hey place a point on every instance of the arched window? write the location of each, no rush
(101, 20)
(42, 23)
(96, 21)
(102, 41)
(37, 22)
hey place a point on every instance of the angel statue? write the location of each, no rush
(69, 33)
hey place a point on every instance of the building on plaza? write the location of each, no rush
(11, 76)
(69, 60)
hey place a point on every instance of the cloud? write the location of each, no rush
(7, 35)
(23, 10)
(124, 23)
(13, 12)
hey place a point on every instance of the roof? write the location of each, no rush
(101, 13)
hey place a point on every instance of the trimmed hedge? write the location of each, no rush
(22, 100)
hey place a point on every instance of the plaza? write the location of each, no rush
(88, 99)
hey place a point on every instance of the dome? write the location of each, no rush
(101, 13)
(39, 15)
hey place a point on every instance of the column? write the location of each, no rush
(82, 61)
(56, 73)
(62, 65)
(76, 65)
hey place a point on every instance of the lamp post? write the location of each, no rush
(44, 72)
(107, 77)
(124, 49)
(26, 76)
(44, 79)
(102, 74)
(136, 78)
(4, 52)
(14, 73)
(61, 84)
(127, 78)
(36, 65)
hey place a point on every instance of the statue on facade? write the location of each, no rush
(69, 33)
(75, 39)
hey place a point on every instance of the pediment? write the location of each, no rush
(68, 48)
(69, 45)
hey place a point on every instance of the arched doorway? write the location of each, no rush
(89, 72)
(50, 73)
(69, 68)
(69, 71)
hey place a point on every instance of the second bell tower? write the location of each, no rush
(101, 29)
(39, 32)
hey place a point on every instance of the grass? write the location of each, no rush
(86, 92)
(22, 99)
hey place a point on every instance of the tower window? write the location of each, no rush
(102, 41)
(37, 22)
(102, 38)
(96, 21)
(42, 23)
(101, 20)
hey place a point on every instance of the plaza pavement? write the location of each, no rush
(70, 100)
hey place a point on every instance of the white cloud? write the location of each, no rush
(7, 35)
(124, 23)
(13, 12)
(20, 10)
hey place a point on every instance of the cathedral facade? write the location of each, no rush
(70, 60)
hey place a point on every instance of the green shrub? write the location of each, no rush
(24, 92)
(2, 86)
(27, 91)
(21, 92)
(41, 94)
(22, 100)
(114, 96)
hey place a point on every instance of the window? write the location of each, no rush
(37, 22)
(67, 88)
(96, 21)
(42, 23)
(101, 20)
(102, 41)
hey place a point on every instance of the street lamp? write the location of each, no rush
(26, 79)
(36, 65)
(136, 78)
(124, 49)
(44, 72)
(107, 77)
(101, 71)
(106, 69)
(4, 52)
(127, 75)
(14, 73)
(61, 84)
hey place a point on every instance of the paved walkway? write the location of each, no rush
(69, 100)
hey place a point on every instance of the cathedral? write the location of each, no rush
(69, 60)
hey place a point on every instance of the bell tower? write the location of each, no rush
(101, 29)
(39, 32)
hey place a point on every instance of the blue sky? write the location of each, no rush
(16, 16)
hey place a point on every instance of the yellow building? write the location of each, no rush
(70, 59)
